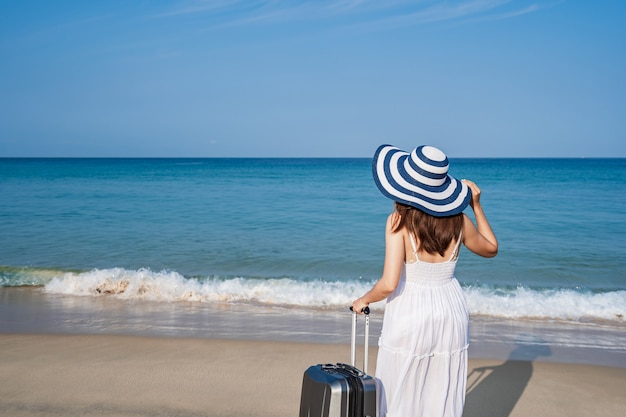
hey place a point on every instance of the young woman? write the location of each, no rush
(422, 355)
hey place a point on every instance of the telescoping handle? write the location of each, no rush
(365, 311)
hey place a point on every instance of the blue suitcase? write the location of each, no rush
(340, 390)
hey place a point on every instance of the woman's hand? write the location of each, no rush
(359, 305)
(475, 201)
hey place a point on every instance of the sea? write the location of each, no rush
(298, 237)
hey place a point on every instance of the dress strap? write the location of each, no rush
(455, 252)
(413, 244)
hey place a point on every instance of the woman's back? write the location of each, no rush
(422, 352)
(412, 254)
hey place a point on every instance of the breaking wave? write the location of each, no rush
(170, 286)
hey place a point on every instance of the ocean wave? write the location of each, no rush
(169, 286)
(563, 304)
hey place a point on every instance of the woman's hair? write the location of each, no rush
(434, 234)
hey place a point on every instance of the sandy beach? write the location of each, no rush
(86, 356)
(105, 375)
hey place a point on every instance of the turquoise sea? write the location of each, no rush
(305, 233)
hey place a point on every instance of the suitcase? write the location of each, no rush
(340, 390)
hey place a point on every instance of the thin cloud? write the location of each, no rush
(515, 13)
(444, 11)
(207, 7)
(193, 7)
(353, 13)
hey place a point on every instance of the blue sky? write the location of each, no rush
(477, 78)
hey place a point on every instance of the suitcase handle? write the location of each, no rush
(365, 311)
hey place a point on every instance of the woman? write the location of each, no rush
(422, 355)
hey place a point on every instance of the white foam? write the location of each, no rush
(167, 286)
(557, 304)
(171, 287)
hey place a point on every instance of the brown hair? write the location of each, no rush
(434, 234)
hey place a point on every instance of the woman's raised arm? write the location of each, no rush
(478, 238)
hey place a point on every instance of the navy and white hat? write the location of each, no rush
(420, 179)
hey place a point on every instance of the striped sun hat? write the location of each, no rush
(419, 179)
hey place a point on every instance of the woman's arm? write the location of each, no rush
(394, 259)
(480, 239)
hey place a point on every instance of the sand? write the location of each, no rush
(107, 375)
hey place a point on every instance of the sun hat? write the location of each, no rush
(420, 179)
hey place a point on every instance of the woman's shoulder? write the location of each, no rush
(393, 219)
(394, 227)
(393, 216)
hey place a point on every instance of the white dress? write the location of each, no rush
(422, 354)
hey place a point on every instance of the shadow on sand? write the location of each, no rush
(493, 391)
